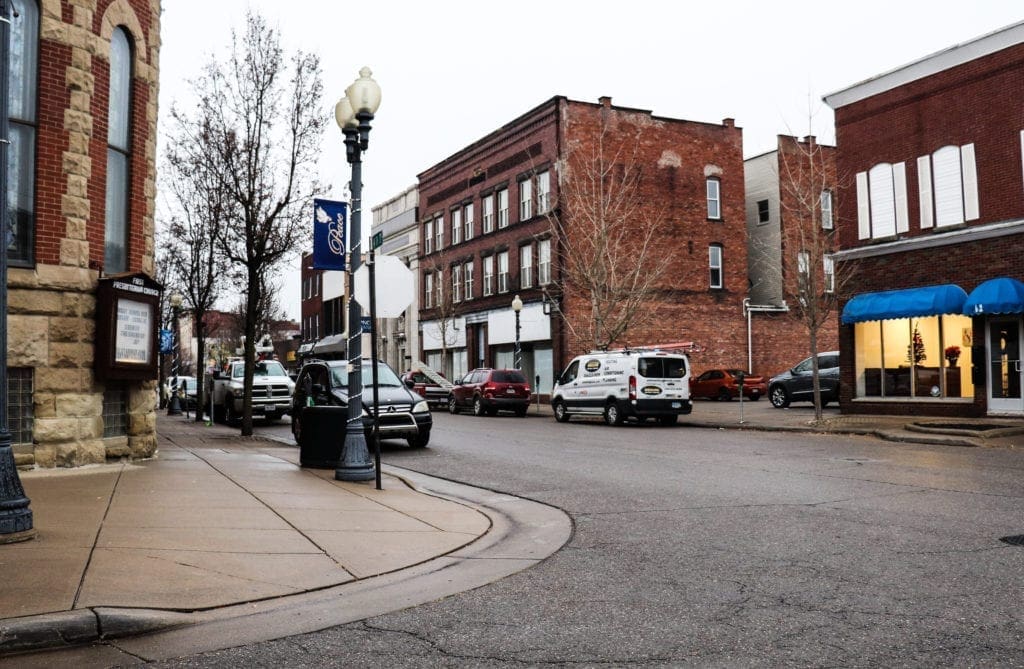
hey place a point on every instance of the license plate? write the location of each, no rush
(269, 408)
(677, 405)
(510, 391)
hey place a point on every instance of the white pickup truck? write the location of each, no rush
(272, 390)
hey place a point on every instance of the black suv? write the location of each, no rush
(403, 413)
(797, 384)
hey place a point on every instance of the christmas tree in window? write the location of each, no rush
(915, 349)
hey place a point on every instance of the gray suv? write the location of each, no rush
(797, 384)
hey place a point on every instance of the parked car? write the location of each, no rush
(429, 384)
(724, 385)
(638, 384)
(403, 413)
(797, 384)
(488, 391)
(187, 390)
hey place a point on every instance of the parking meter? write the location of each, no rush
(739, 378)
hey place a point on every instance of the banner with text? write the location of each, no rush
(329, 219)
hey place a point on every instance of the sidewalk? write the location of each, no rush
(214, 520)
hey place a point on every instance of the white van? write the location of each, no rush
(624, 384)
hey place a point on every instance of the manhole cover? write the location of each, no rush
(1016, 540)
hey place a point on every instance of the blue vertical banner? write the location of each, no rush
(329, 223)
(166, 341)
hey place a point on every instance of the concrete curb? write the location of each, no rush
(523, 533)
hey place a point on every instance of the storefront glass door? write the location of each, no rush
(1006, 371)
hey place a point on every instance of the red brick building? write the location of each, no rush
(81, 182)
(486, 216)
(935, 240)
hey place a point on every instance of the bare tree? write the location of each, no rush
(193, 255)
(605, 239)
(807, 184)
(257, 126)
(445, 301)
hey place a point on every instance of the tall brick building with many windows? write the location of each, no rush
(81, 195)
(486, 236)
(935, 243)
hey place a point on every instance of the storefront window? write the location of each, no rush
(927, 357)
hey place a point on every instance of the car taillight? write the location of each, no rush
(527, 390)
(489, 387)
(632, 387)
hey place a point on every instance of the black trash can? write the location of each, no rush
(322, 436)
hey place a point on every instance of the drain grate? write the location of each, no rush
(1017, 540)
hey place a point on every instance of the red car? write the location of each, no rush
(488, 391)
(723, 384)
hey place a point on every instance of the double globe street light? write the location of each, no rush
(353, 114)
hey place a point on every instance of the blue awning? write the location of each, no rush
(996, 296)
(927, 301)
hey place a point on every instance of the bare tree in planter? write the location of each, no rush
(444, 302)
(257, 126)
(605, 236)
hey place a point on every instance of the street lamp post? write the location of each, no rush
(15, 516)
(173, 406)
(353, 114)
(517, 358)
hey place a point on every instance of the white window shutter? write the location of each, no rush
(947, 181)
(924, 189)
(970, 174)
(863, 209)
(899, 177)
(883, 201)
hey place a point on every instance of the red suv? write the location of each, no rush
(488, 391)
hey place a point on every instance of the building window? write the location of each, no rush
(826, 210)
(525, 199)
(543, 192)
(544, 262)
(456, 283)
(428, 238)
(882, 201)
(503, 272)
(316, 326)
(762, 211)
(439, 233)
(715, 265)
(526, 266)
(503, 208)
(428, 290)
(829, 268)
(923, 357)
(115, 256)
(439, 285)
(488, 262)
(467, 215)
(948, 186)
(115, 410)
(467, 277)
(456, 226)
(21, 153)
(714, 199)
(19, 404)
(488, 203)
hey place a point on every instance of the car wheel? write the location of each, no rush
(561, 415)
(231, 416)
(420, 440)
(478, 406)
(612, 415)
(453, 406)
(723, 395)
(779, 397)
(297, 429)
(755, 396)
(218, 414)
(668, 420)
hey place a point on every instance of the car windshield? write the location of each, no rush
(661, 368)
(737, 372)
(263, 368)
(385, 376)
(509, 376)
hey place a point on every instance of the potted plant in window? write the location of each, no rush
(952, 355)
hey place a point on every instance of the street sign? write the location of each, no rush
(365, 323)
(394, 286)
(377, 240)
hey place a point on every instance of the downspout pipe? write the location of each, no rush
(748, 309)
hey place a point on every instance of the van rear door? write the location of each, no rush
(663, 377)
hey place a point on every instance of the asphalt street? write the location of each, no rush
(699, 547)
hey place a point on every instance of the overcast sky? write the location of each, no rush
(451, 71)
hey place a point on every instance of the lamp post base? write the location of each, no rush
(355, 464)
(15, 514)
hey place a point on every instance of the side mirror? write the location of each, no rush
(410, 384)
